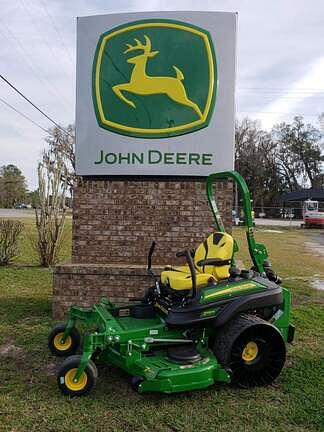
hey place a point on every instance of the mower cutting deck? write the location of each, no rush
(202, 323)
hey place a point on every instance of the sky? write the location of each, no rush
(280, 63)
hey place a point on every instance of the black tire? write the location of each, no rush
(69, 347)
(135, 382)
(252, 349)
(65, 377)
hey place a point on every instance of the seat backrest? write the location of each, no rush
(217, 245)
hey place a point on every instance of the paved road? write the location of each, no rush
(23, 213)
(15, 213)
(278, 222)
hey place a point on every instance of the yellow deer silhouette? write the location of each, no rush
(142, 84)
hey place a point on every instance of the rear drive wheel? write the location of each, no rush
(66, 348)
(252, 349)
(66, 374)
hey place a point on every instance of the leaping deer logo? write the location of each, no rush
(142, 84)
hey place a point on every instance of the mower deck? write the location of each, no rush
(156, 372)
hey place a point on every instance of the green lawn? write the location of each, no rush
(30, 400)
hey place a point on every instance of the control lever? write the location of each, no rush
(186, 253)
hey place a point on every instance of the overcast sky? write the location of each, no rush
(280, 63)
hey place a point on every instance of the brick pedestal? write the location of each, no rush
(114, 223)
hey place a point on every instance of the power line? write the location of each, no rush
(35, 24)
(279, 112)
(35, 106)
(23, 115)
(51, 18)
(11, 37)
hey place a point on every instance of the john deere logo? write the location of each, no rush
(154, 79)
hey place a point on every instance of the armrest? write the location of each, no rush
(182, 253)
(213, 262)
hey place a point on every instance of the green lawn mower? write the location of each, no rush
(201, 323)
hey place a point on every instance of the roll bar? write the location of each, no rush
(258, 251)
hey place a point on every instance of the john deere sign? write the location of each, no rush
(147, 83)
(155, 93)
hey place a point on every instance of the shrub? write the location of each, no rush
(9, 235)
(50, 214)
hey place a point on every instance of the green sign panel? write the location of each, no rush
(154, 79)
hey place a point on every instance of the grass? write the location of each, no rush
(30, 400)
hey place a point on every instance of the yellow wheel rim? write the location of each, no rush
(250, 351)
(57, 342)
(75, 386)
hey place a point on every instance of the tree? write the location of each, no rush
(32, 198)
(255, 160)
(299, 155)
(56, 173)
(12, 186)
(9, 240)
(62, 142)
(286, 159)
(50, 214)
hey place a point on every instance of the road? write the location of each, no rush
(17, 213)
(278, 222)
(24, 213)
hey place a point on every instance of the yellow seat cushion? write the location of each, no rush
(181, 281)
(218, 245)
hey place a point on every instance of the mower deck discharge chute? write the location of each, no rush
(201, 323)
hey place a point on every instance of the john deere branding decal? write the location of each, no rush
(154, 78)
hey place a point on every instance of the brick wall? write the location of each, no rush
(84, 284)
(114, 223)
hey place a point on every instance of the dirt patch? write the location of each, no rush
(314, 242)
(318, 284)
(303, 278)
(316, 281)
(50, 369)
(290, 361)
(315, 248)
(10, 350)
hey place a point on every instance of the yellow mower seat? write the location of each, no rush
(181, 281)
(218, 245)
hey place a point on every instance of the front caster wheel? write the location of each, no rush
(136, 381)
(66, 374)
(70, 345)
(252, 349)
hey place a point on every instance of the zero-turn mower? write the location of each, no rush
(201, 323)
